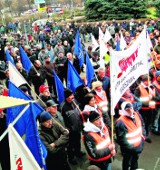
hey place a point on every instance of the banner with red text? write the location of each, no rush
(127, 66)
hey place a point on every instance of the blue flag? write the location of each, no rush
(89, 70)
(73, 78)
(25, 60)
(59, 88)
(118, 46)
(8, 58)
(78, 49)
(32, 139)
(27, 124)
(13, 112)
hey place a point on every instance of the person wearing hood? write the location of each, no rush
(97, 142)
(130, 134)
(156, 98)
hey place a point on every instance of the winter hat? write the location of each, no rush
(67, 93)
(23, 88)
(93, 116)
(44, 116)
(42, 88)
(88, 97)
(126, 105)
(50, 103)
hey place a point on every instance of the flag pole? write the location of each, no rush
(15, 120)
(112, 109)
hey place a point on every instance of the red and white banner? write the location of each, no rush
(20, 156)
(127, 66)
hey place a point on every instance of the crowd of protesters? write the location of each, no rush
(84, 114)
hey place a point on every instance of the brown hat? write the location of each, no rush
(96, 84)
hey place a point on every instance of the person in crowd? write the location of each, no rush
(45, 95)
(90, 105)
(145, 92)
(97, 142)
(55, 138)
(42, 54)
(74, 61)
(105, 81)
(130, 134)
(23, 72)
(59, 47)
(50, 51)
(52, 109)
(157, 47)
(41, 38)
(72, 119)
(37, 75)
(60, 66)
(100, 96)
(89, 31)
(95, 61)
(156, 98)
(128, 96)
(49, 67)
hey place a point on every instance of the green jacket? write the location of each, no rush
(56, 135)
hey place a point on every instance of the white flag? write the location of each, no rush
(101, 35)
(95, 44)
(107, 36)
(20, 155)
(14, 76)
(103, 51)
(123, 44)
(126, 67)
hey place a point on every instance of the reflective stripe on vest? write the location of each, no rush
(102, 143)
(144, 97)
(103, 103)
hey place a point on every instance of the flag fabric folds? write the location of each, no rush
(95, 44)
(14, 76)
(126, 66)
(73, 78)
(59, 88)
(107, 36)
(25, 60)
(123, 43)
(20, 155)
(89, 70)
(8, 58)
(26, 124)
(78, 51)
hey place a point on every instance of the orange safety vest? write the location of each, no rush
(144, 94)
(134, 135)
(101, 143)
(103, 103)
(158, 87)
(131, 99)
